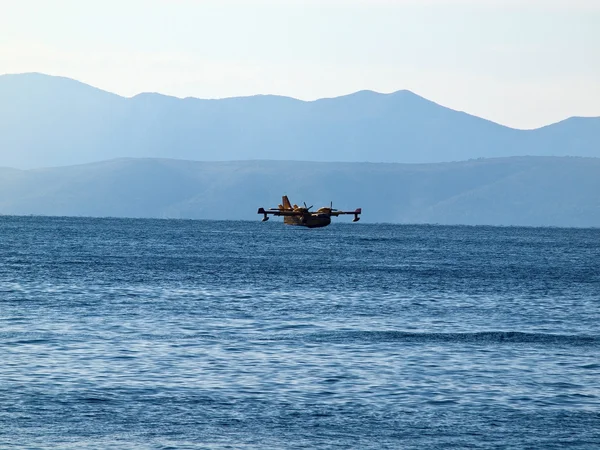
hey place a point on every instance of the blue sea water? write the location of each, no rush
(122, 333)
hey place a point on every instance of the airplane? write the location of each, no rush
(295, 215)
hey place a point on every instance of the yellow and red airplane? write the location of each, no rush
(296, 215)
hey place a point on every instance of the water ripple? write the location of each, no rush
(118, 333)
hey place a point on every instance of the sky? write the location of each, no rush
(523, 64)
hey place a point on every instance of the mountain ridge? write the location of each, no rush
(56, 121)
(521, 191)
(350, 94)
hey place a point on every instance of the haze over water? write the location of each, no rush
(118, 333)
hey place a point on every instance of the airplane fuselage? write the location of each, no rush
(310, 221)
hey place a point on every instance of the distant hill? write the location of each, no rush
(506, 191)
(54, 121)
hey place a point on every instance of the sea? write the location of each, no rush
(186, 334)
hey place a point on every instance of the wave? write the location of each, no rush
(483, 337)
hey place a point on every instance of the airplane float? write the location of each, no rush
(296, 215)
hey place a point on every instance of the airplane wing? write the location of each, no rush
(305, 212)
(356, 212)
(280, 212)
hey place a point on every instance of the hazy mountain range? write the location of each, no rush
(76, 132)
(55, 121)
(507, 191)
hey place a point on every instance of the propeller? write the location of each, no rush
(307, 207)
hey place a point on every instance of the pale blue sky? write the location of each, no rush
(520, 63)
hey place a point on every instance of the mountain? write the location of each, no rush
(54, 121)
(546, 191)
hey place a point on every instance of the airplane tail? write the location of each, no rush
(286, 202)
